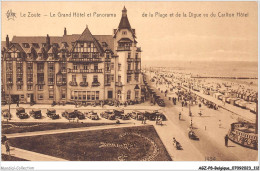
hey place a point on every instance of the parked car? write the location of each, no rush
(6, 114)
(125, 116)
(118, 113)
(20, 112)
(92, 115)
(137, 115)
(150, 115)
(161, 115)
(68, 114)
(36, 113)
(79, 114)
(108, 115)
(51, 113)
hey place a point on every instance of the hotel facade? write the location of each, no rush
(72, 68)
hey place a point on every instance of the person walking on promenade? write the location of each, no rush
(17, 103)
(226, 140)
(7, 147)
(180, 116)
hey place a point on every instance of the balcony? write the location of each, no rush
(83, 84)
(107, 60)
(29, 83)
(63, 71)
(73, 83)
(130, 71)
(123, 48)
(90, 70)
(95, 84)
(85, 60)
(85, 70)
(19, 82)
(40, 71)
(9, 83)
(130, 59)
(137, 71)
(137, 59)
(50, 83)
(40, 82)
(119, 84)
(61, 83)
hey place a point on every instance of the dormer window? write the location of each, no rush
(26, 45)
(35, 45)
(124, 33)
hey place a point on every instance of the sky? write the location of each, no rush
(170, 38)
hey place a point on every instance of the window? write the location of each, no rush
(75, 95)
(29, 67)
(88, 95)
(107, 66)
(95, 66)
(72, 95)
(19, 87)
(85, 55)
(84, 95)
(136, 55)
(107, 79)
(136, 94)
(112, 65)
(119, 78)
(129, 55)
(124, 32)
(107, 55)
(129, 77)
(129, 66)
(95, 78)
(80, 94)
(63, 93)
(9, 66)
(119, 67)
(84, 78)
(97, 95)
(40, 87)
(22, 96)
(40, 67)
(136, 77)
(112, 77)
(51, 94)
(92, 95)
(128, 95)
(75, 66)
(29, 87)
(136, 65)
(110, 94)
(85, 66)
(40, 96)
(74, 78)
(63, 66)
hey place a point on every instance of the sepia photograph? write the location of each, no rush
(129, 81)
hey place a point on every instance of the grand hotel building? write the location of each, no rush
(78, 67)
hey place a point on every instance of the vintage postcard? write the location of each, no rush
(129, 81)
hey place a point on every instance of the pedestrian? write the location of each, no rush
(144, 120)
(226, 140)
(17, 103)
(180, 116)
(7, 147)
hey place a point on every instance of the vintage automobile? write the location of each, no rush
(137, 115)
(20, 112)
(68, 114)
(118, 113)
(192, 135)
(150, 115)
(51, 113)
(160, 102)
(125, 116)
(108, 115)
(92, 115)
(6, 114)
(79, 114)
(36, 113)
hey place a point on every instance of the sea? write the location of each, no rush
(208, 68)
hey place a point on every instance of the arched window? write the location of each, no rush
(128, 94)
(119, 95)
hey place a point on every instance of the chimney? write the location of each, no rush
(7, 42)
(48, 40)
(65, 31)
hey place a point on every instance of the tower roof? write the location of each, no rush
(124, 22)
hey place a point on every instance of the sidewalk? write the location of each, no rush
(29, 155)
